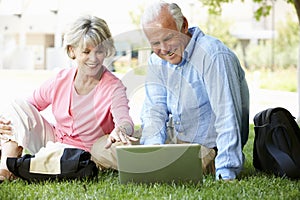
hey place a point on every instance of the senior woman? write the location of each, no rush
(88, 102)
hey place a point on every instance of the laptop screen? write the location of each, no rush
(159, 163)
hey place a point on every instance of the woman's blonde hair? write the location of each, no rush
(89, 30)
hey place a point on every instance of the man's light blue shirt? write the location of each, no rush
(208, 98)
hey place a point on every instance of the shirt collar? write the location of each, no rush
(196, 34)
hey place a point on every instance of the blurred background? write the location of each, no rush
(31, 30)
(31, 38)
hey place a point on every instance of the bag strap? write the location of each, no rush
(295, 138)
(286, 164)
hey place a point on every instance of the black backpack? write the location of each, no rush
(276, 148)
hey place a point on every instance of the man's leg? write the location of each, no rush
(207, 157)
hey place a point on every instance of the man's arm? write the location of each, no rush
(154, 113)
(229, 160)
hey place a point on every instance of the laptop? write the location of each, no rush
(167, 163)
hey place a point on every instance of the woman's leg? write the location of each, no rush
(33, 131)
(30, 131)
(105, 158)
(9, 149)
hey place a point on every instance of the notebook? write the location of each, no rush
(165, 163)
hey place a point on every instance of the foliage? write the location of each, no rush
(265, 6)
(215, 7)
(264, 9)
(288, 34)
(280, 53)
(136, 16)
(212, 27)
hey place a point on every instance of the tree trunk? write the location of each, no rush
(297, 7)
(298, 85)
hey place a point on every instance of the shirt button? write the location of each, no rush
(177, 122)
(177, 68)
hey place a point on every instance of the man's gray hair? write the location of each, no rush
(152, 11)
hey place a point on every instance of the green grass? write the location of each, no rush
(281, 79)
(285, 80)
(250, 185)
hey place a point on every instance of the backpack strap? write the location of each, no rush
(294, 135)
(286, 164)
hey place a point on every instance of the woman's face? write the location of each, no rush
(90, 59)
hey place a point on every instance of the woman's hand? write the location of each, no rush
(119, 135)
(5, 128)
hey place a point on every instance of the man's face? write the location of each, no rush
(165, 39)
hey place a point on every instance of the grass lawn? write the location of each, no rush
(281, 79)
(250, 185)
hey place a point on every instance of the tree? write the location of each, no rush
(265, 6)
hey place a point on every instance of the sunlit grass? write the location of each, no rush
(281, 79)
(250, 185)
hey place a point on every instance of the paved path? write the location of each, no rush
(17, 84)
